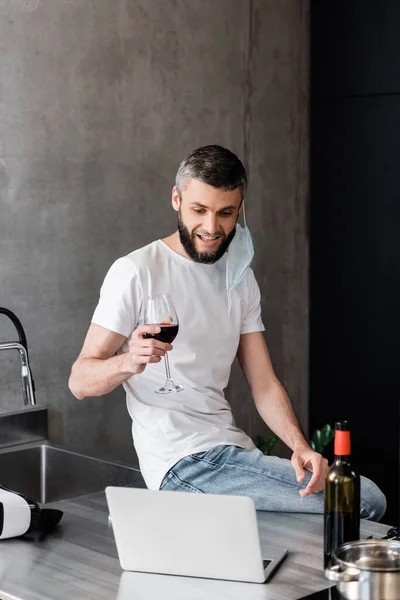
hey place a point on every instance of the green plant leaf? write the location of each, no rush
(326, 430)
(327, 434)
(266, 443)
(317, 438)
(321, 438)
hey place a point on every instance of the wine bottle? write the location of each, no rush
(342, 497)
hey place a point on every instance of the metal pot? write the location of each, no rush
(367, 570)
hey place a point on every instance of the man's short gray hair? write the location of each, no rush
(215, 166)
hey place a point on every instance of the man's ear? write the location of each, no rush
(176, 201)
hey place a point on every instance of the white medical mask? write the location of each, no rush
(240, 255)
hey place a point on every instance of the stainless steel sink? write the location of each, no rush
(48, 473)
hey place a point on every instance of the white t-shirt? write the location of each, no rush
(168, 427)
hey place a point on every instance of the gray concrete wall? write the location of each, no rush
(99, 101)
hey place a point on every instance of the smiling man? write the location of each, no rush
(188, 440)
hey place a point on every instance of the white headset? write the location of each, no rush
(20, 514)
(15, 514)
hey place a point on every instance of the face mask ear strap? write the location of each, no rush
(244, 215)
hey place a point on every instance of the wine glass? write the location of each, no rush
(160, 310)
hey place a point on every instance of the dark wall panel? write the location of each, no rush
(357, 46)
(355, 281)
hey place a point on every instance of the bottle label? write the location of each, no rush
(342, 443)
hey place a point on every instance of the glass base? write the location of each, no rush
(169, 387)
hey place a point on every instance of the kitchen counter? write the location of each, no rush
(78, 561)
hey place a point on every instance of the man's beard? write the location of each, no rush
(188, 242)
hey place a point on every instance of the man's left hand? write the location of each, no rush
(304, 457)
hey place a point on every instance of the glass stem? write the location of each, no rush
(168, 372)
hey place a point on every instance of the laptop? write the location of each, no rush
(195, 535)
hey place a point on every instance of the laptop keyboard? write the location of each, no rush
(266, 563)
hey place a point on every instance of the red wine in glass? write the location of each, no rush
(160, 310)
(167, 334)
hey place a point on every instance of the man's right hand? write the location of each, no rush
(144, 350)
(99, 369)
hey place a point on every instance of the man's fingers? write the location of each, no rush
(149, 344)
(143, 360)
(314, 485)
(311, 487)
(154, 359)
(298, 467)
(140, 338)
(317, 481)
(141, 330)
(167, 321)
(152, 343)
(150, 351)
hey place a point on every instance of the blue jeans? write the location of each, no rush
(269, 480)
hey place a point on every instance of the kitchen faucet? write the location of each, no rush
(28, 386)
